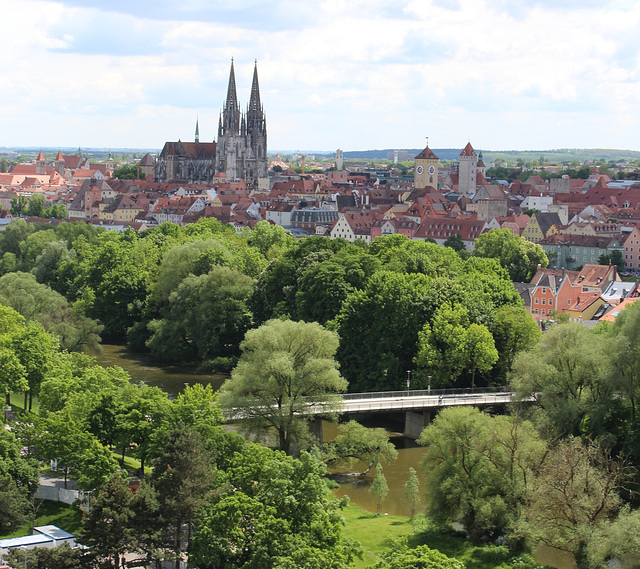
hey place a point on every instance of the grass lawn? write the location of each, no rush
(58, 514)
(375, 534)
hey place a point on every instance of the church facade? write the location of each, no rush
(239, 153)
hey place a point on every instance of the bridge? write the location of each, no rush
(424, 399)
(418, 404)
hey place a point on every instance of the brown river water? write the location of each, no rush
(172, 379)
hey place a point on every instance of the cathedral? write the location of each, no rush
(241, 150)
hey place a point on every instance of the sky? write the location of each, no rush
(349, 74)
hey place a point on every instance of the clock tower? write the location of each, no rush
(426, 173)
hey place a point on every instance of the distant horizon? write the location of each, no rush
(137, 150)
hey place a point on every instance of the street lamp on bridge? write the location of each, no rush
(408, 379)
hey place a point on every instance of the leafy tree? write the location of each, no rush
(625, 360)
(49, 260)
(272, 511)
(386, 317)
(286, 369)
(455, 242)
(60, 557)
(141, 411)
(412, 490)
(117, 278)
(452, 345)
(478, 468)
(183, 478)
(479, 350)
(269, 239)
(18, 206)
(399, 556)
(34, 349)
(565, 373)
(95, 465)
(18, 482)
(379, 487)
(64, 440)
(12, 372)
(514, 330)
(613, 258)
(182, 260)
(35, 206)
(573, 495)
(106, 529)
(37, 302)
(520, 257)
(127, 172)
(207, 318)
(355, 442)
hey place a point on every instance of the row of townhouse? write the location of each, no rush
(589, 294)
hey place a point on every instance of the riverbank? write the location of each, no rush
(376, 533)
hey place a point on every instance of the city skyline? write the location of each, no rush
(503, 75)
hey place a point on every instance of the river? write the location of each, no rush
(172, 380)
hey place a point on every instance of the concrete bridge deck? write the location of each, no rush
(424, 399)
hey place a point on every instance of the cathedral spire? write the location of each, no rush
(231, 111)
(254, 103)
(232, 97)
(197, 132)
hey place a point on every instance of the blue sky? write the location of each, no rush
(350, 74)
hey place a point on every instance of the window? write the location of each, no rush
(544, 301)
(568, 302)
(542, 312)
(535, 300)
(544, 290)
(535, 311)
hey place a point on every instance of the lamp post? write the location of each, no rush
(408, 379)
(429, 386)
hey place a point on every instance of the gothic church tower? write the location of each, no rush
(241, 151)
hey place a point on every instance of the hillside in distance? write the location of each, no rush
(555, 155)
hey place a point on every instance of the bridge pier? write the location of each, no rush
(316, 428)
(414, 423)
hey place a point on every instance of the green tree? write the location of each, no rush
(60, 557)
(613, 258)
(455, 242)
(37, 302)
(572, 496)
(35, 206)
(207, 318)
(565, 373)
(141, 411)
(18, 206)
(286, 369)
(520, 257)
(477, 469)
(355, 442)
(479, 349)
(379, 487)
(386, 317)
(272, 511)
(183, 478)
(514, 330)
(106, 529)
(12, 373)
(269, 239)
(127, 172)
(412, 491)
(399, 556)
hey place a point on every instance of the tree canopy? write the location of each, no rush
(286, 369)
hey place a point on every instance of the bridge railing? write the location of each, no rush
(427, 392)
